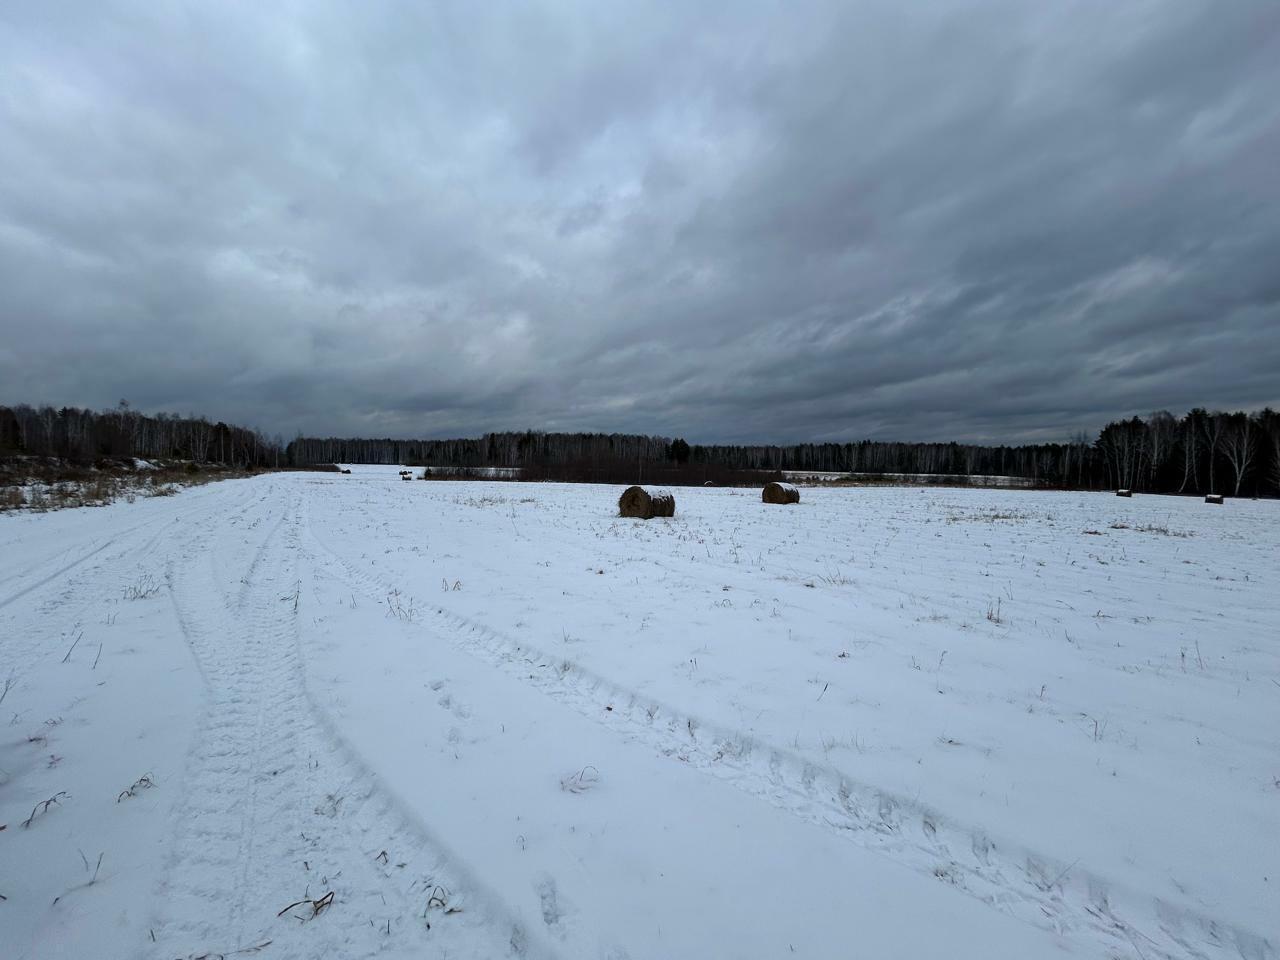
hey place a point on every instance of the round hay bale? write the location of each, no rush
(1213, 498)
(780, 493)
(1124, 493)
(646, 504)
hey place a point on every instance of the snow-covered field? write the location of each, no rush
(494, 720)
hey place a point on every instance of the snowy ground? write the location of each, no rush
(494, 720)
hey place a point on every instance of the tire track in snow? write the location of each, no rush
(273, 811)
(82, 559)
(179, 514)
(81, 591)
(1061, 897)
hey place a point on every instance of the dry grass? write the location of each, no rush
(317, 907)
(144, 782)
(145, 586)
(43, 807)
(582, 781)
(43, 486)
(1160, 529)
(992, 516)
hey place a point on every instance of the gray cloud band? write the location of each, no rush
(981, 221)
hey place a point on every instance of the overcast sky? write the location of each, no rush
(727, 221)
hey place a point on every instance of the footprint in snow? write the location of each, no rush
(549, 899)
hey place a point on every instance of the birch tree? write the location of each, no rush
(1238, 445)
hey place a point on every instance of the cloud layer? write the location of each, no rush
(765, 221)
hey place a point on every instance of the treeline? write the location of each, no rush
(535, 453)
(85, 436)
(1235, 453)
(1201, 452)
(527, 449)
(665, 472)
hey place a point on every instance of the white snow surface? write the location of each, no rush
(493, 719)
(656, 491)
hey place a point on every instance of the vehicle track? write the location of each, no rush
(163, 522)
(1064, 898)
(75, 603)
(275, 811)
(67, 568)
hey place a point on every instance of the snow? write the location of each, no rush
(657, 493)
(494, 719)
(950, 479)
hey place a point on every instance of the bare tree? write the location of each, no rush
(1238, 445)
(1273, 435)
(1190, 454)
(1212, 428)
(1162, 432)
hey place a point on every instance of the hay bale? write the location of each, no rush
(646, 504)
(1124, 493)
(780, 493)
(1213, 498)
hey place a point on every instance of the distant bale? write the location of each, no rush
(780, 493)
(646, 504)
(1124, 493)
(1213, 498)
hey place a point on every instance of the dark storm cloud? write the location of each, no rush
(995, 220)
